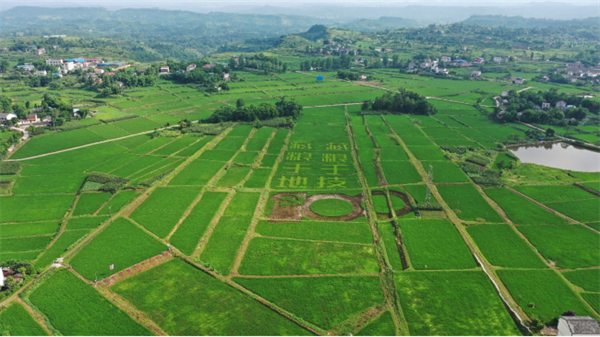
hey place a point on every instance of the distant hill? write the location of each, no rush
(521, 22)
(383, 23)
(184, 32)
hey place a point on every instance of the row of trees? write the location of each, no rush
(265, 111)
(327, 63)
(404, 102)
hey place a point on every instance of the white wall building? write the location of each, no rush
(56, 63)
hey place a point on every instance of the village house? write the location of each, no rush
(56, 63)
(545, 105)
(99, 71)
(41, 73)
(517, 80)
(578, 326)
(225, 76)
(32, 118)
(362, 77)
(164, 70)
(5, 117)
(446, 59)
(26, 66)
(46, 119)
(476, 73)
(505, 93)
(498, 59)
(411, 66)
(561, 105)
(190, 67)
(464, 48)
(480, 60)
(40, 51)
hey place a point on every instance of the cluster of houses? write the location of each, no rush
(562, 105)
(29, 120)
(65, 66)
(434, 65)
(335, 47)
(192, 66)
(579, 71)
(428, 64)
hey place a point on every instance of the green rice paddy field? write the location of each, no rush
(303, 231)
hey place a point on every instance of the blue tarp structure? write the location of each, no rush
(319, 78)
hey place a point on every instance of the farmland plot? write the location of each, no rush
(153, 215)
(503, 247)
(121, 244)
(424, 297)
(542, 293)
(286, 257)
(16, 321)
(435, 244)
(323, 301)
(467, 203)
(568, 246)
(197, 304)
(59, 247)
(520, 210)
(188, 234)
(75, 308)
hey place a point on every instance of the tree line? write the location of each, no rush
(264, 111)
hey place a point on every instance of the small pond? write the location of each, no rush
(559, 155)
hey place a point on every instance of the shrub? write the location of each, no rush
(9, 167)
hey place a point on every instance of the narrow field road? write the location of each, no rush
(91, 144)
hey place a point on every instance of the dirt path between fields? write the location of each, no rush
(300, 276)
(36, 316)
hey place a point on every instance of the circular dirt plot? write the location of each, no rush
(331, 207)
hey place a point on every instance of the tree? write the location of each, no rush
(4, 66)
(240, 103)
(550, 132)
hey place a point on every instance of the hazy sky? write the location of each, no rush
(310, 7)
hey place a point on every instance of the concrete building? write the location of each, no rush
(578, 326)
(4, 117)
(164, 70)
(41, 73)
(40, 51)
(55, 63)
(190, 67)
(26, 66)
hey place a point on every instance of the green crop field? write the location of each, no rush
(89, 203)
(117, 202)
(188, 234)
(318, 230)
(542, 293)
(204, 307)
(29, 229)
(227, 237)
(285, 257)
(382, 326)
(59, 247)
(588, 279)
(121, 244)
(568, 246)
(424, 297)
(467, 203)
(317, 300)
(153, 215)
(75, 308)
(503, 247)
(435, 244)
(16, 321)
